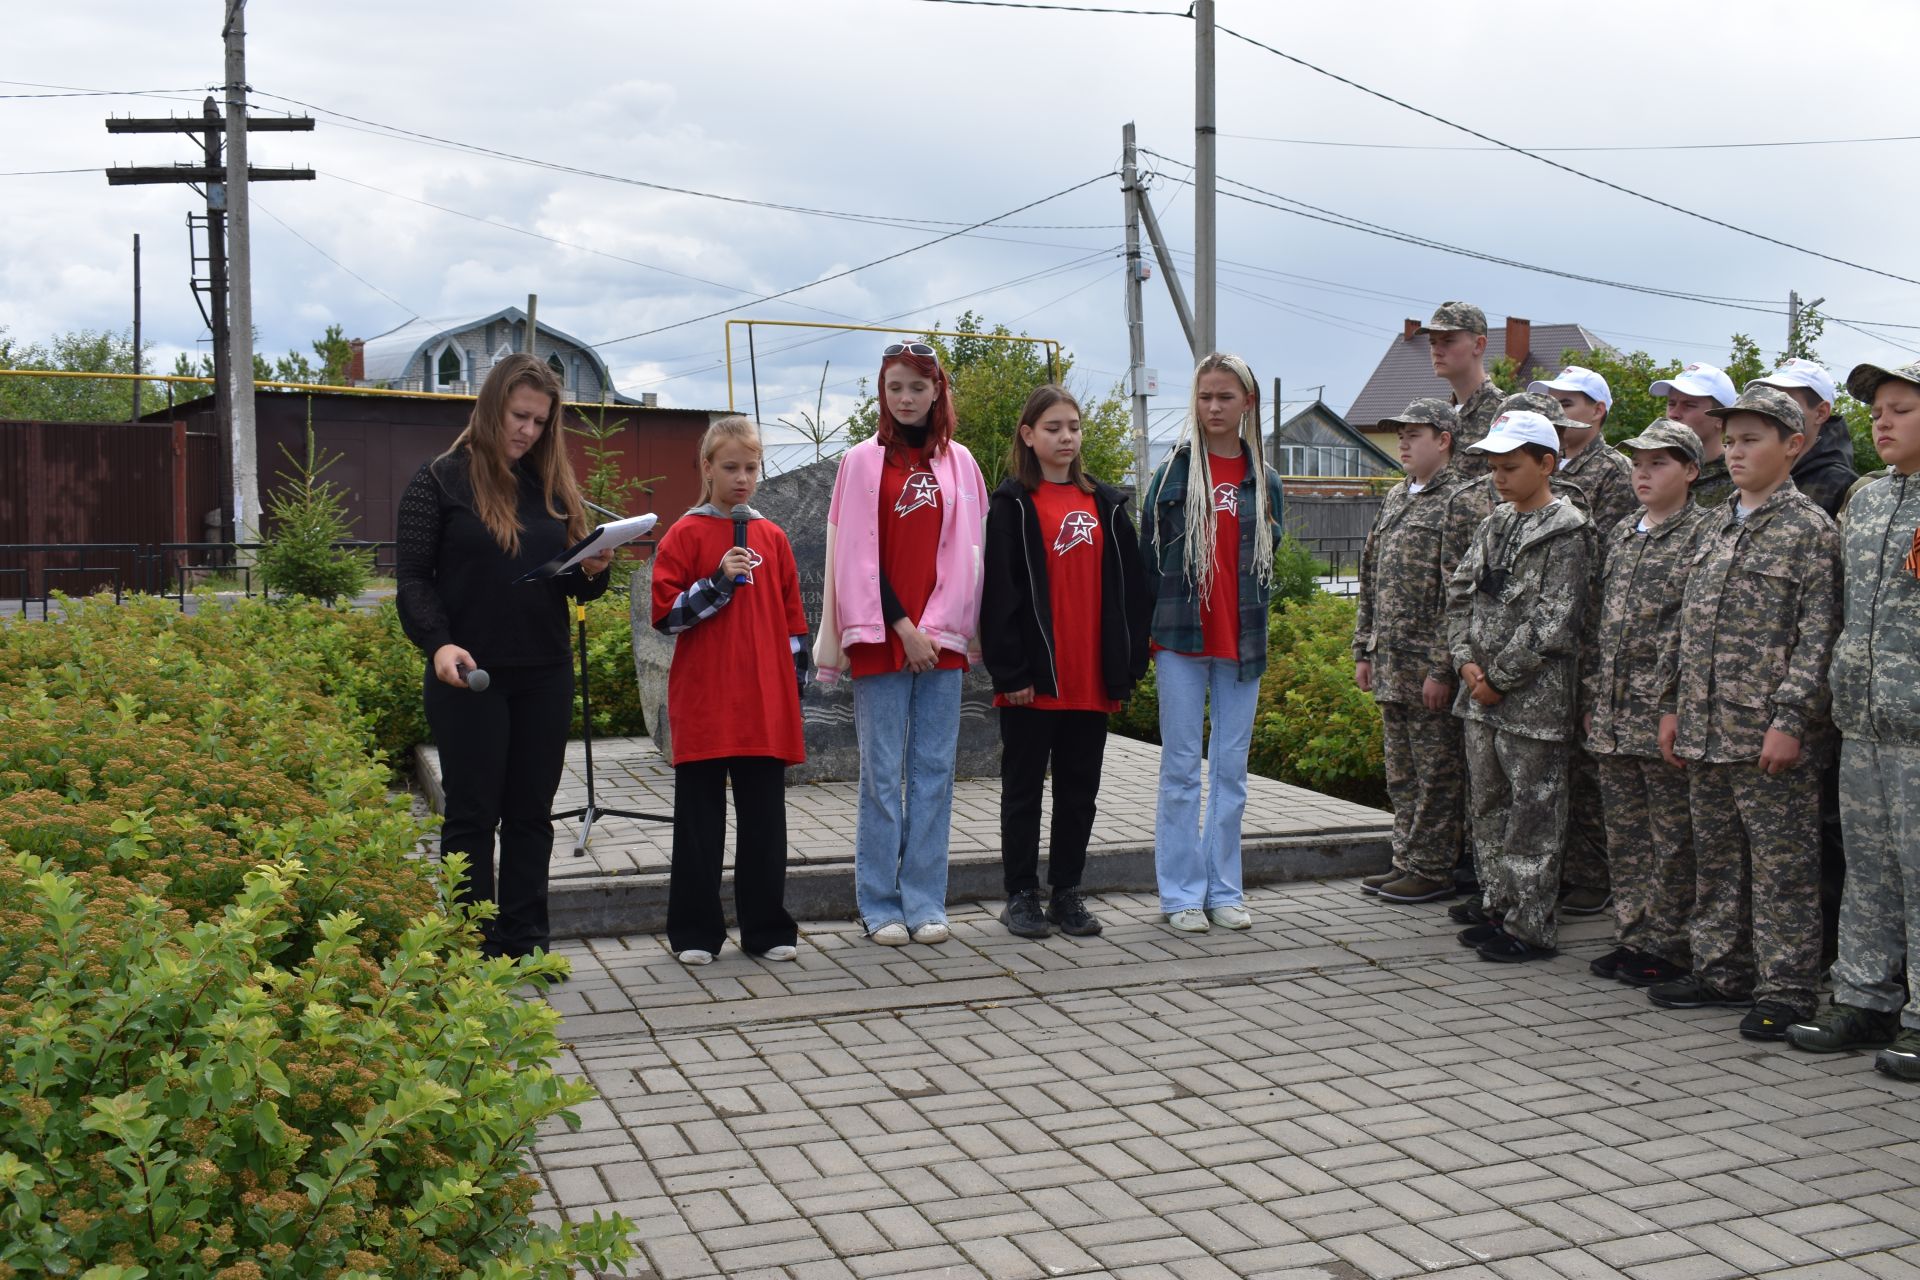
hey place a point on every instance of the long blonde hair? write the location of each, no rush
(735, 428)
(1200, 522)
(496, 494)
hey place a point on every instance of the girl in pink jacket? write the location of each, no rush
(900, 609)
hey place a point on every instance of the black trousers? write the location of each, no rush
(695, 920)
(1075, 744)
(501, 754)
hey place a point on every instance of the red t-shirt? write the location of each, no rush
(731, 688)
(1220, 613)
(910, 506)
(1074, 541)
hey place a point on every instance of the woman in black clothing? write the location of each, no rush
(502, 501)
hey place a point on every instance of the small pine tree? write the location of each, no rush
(309, 517)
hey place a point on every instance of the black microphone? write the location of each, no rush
(741, 514)
(476, 678)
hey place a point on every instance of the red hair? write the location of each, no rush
(941, 420)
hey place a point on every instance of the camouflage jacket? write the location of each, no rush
(1606, 478)
(1525, 635)
(1476, 419)
(1642, 577)
(1876, 661)
(1757, 622)
(1417, 539)
(1714, 485)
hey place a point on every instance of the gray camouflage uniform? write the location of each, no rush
(1401, 628)
(1526, 638)
(1876, 705)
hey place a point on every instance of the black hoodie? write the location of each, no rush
(1016, 611)
(1825, 471)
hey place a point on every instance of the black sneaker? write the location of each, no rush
(1504, 948)
(1608, 965)
(1468, 912)
(1768, 1020)
(1844, 1026)
(1901, 1059)
(1068, 910)
(1474, 935)
(1647, 971)
(1023, 916)
(1691, 992)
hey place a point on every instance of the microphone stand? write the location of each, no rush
(593, 811)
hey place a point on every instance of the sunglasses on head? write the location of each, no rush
(907, 349)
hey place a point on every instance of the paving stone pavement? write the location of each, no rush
(1339, 1092)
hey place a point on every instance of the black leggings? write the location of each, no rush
(695, 921)
(501, 754)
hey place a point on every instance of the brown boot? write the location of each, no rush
(1413, 887)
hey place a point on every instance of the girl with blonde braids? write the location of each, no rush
(1208, 526)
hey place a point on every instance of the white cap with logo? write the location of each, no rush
(1574, 378)
(1698, 380)
(1801, 373)
(1511, 430)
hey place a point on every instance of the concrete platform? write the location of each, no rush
(619, 885)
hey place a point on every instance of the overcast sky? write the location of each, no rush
(953, 114)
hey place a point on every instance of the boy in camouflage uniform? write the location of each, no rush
(1875, 680)
(1400, 652)
(1692, 394)
(1649, 834)
(1457, 336)
(1514, 611)
(1745, 677)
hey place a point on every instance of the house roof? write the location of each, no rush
(1321, 412)
(387, 357)
(1405, 373)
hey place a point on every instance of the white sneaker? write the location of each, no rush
(1192, 920)
(779, 953)
(891, 935)
(695, 956)
(933, 931)
(1231, 917)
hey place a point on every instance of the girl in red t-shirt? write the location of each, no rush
(1063, 633)
(725, 586)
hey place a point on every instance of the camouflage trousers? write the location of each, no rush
(1756, 912)
(1517, 794)
(1880, 906)
(1586, 865)
(1649, 854)
(1427, 782)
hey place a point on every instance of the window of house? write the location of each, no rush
(559, 369)
(449, 366)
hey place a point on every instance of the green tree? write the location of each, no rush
(1630, 373)
(73, 399)
(991, 381)
(331, 347)
(309, 516)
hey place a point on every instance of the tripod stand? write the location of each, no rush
(593, 811)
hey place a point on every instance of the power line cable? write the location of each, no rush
(1648, 146)
(1065, 8)
(1564, 168)
(412, 313)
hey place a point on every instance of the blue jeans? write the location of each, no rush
(1199, 866)
(909, 728)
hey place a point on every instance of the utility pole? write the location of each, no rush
(1165, 258)
(215, 175)
(1204, 295)
(1136, 330)
(246, 461)
(533, 323)
(1795, 308)
(136, 326)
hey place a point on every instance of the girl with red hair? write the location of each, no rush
(900, 610)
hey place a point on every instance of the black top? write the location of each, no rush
(456, 586)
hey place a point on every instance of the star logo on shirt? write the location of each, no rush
(920, 490)
(1226, 497)
(754, 561)
(1076, 530)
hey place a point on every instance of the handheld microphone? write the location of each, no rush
(476, 678)
(741, 514)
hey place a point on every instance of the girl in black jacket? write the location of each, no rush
(1063, 631)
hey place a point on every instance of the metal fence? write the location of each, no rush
(31, 572)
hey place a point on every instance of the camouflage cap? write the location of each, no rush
(1537, 402)
(1768, 402)
(1665, 433)
(1866, 379)
(1450, 317)
(1427, 411)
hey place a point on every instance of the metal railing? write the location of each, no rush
(30, 572)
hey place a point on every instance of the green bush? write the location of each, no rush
(309, 517)
(1297, 572)
(615, 685)
(1315, 728)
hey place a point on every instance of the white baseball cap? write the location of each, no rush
(1801, 373)
(1574, 378)
(1698, 380)
(1511, 430)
